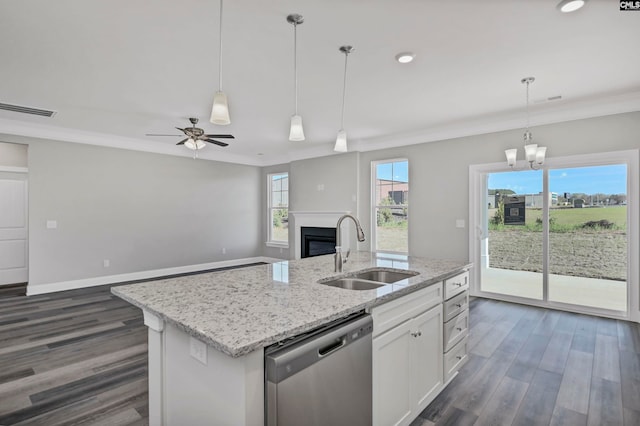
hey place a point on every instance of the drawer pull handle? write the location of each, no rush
(459, 305)
(459, 328)
(459, 357)
(417, 334)
(458, 284)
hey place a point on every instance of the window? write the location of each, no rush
(278, 215)
(391, 206)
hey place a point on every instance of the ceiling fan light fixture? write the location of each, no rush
(220, 110)
(194, 144)
(341, 141)
(566, 6)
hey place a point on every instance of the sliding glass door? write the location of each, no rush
(559, 236)
(514, 258)
(588, 236)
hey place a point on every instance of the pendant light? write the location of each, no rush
(220, 110)
(533, 152)
(341, 140)
(296, 132)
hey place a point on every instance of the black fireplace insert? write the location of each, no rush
(317, 241)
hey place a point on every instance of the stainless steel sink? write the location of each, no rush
(385, 276)
(353, 284)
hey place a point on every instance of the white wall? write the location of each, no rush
(13, 155)
(140, 211)
(325, 183)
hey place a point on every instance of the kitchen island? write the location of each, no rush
(207, 332)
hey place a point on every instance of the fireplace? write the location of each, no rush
(316, 219)
(315, 241)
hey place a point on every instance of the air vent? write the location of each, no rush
(27, 110)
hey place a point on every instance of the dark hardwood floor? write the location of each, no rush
(72, 358)
(80, 357)
(533, 366)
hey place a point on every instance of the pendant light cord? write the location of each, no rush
(295, 65)
(220, 51)
(344, 90)
(528, 105)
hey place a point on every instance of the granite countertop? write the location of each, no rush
(239, 311)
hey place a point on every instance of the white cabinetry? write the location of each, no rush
(456, 323)
(407, 356)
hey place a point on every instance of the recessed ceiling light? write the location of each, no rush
(567, 6)
(405, 57)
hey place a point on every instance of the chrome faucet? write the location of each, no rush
(339, 261)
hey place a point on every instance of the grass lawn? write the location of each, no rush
(571, 217)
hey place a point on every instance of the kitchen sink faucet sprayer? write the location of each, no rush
(338, 256)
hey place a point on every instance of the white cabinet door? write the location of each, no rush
(392, 387)
(427, 371)
(407, 368)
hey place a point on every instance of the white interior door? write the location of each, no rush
(13, 228)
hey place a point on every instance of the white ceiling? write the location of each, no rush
(116, 70)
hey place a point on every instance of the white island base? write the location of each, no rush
(184, 391)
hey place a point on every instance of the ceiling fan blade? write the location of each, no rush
(220, 136)
(154, 134)
(216, 142)
(182, 141)
(182, 130)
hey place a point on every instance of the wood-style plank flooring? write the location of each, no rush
(80, 357)
(533, 366)
(72, 358)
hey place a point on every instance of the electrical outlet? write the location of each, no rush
(224, 250)
(198, 350)
(106, 263)
(459, 223)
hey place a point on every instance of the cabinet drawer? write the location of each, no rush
(395, 312)
(455, 358)
(455, 305)
(455, 330)
(456, 285)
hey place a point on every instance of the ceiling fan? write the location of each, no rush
(195, 136)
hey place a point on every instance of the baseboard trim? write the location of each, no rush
(33, 289)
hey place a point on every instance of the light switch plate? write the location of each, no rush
(459, 223)
(198, 350)
(52, 224)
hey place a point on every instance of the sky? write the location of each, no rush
(587, 180)
(398, 171)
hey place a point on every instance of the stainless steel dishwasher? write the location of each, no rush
(322, 377)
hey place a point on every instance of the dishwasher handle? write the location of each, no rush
(340, 342)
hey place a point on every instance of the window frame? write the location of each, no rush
(375, 207)
(270, 209)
